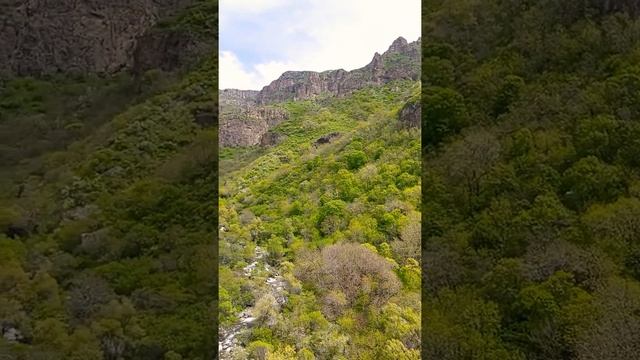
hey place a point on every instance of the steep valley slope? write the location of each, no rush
(108, 180)
(319, 214)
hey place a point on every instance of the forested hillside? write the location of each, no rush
(107, 198)
(531, 179)
(319, 230)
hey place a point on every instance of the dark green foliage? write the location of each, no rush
(531, 202)
(355, 159)
(589, 179)
(46, 114)
(443, 114)
(507, 94)
(200, 19)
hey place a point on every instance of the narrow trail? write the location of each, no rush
(228, 343)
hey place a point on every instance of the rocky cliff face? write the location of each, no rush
(48, 36)
(400, 61)
(245, 122)
(248, 125)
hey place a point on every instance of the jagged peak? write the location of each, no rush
(398, 44)
(376, 61)
(399, 40)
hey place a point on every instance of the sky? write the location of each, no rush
(261, 39)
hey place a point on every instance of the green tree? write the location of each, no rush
(443, 113)
(589, 180)
(394, 349)
(508, 93)
(355, 159)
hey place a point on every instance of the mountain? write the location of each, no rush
(400, 61)
(108, 167)
(319, 254)
(246, 116)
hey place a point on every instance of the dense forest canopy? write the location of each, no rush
(531, 181)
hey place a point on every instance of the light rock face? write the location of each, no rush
(241, 129)
(89, 36)
(298, 85)
(248, 125)
(234, 97)
(245, 116)
(244, 121)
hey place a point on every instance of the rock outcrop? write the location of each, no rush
(326, 139)
(246, 116)
(246, 125)
(411, 114)
(40, 37)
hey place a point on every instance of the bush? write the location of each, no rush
(350, 271)
(260, 350)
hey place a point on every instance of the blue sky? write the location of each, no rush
(260, 39)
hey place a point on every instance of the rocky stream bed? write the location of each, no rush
(229, 344)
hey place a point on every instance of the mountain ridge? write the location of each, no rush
(400, 45)
(243, 122)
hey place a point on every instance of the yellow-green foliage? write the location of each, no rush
(298, 197)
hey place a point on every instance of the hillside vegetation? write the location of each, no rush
(531, 182)
(335, 209)
(107, 212)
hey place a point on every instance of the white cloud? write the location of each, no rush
(233, 74)
(317, 34)
(348, 33)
